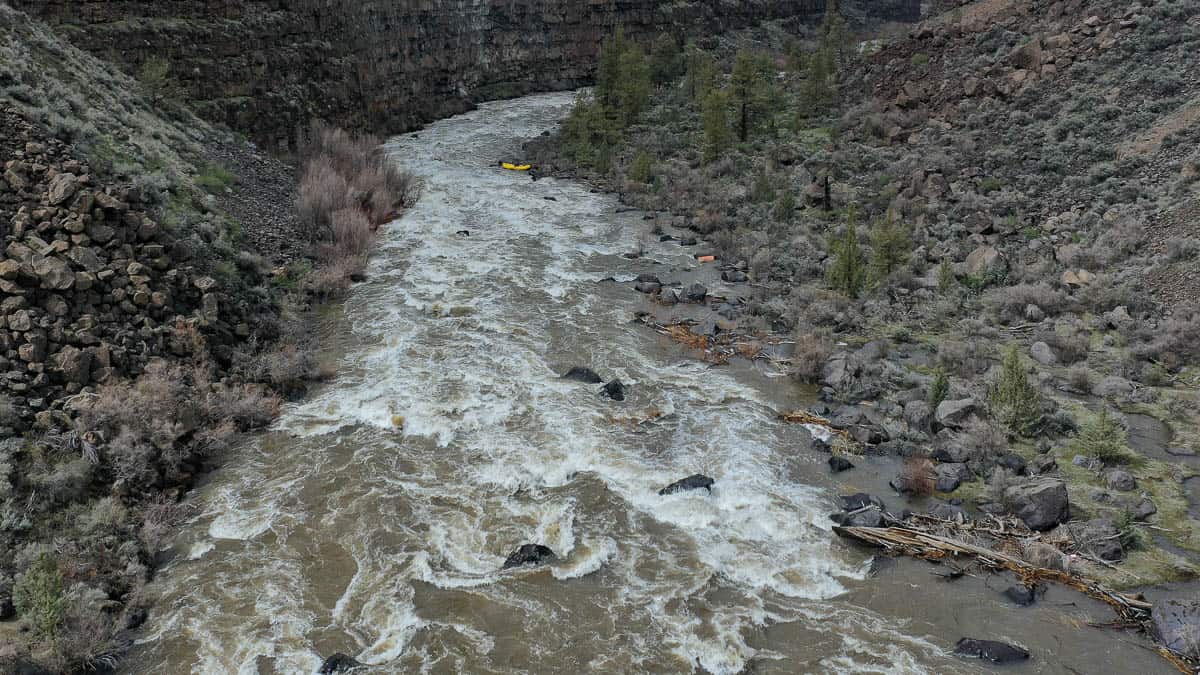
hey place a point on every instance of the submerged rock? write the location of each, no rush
(615, 390)
(858, 500)
(585, 375)
(840, 464)
(1020, 594)
(529, 554)
(696, 481)
(338, 663)
(990, 650)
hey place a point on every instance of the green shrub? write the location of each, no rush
(641, 170)
(939, 388)
(848, 272)
(717, 135)
(38, 596)
(946, 280)
(890, 246)
(1014, 402)
(214, 178)
(1103, 437)
(920, 59)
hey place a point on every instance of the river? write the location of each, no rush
(375, 516)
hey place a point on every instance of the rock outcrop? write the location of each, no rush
(266, 68)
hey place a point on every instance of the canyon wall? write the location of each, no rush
(266, 67)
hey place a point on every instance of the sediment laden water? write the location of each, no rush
(340, 531)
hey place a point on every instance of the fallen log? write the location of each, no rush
(906, 540)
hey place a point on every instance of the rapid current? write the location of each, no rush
(374, 518)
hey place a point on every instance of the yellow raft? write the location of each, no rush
(516, 167)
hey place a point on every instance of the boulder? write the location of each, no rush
(839, 464)
(734, 276)
(53, 273)
(1119, 479)
(528, 554)
(859, 500)
(1113, 386)
(950, 475)
(1177, 624)
(990, 650)
(1099, 537)
(338, 663)
(952, 510)
(647, 287)
(1041, 352)
(74, 364)
(696, 293)
(1013, 462)
(867, 517)
(7, 611)
(918, 415)
(1041, 502)
(1077, 278)
(954, 414)
(985, 261)
(697, 481)
(1028, 56)
(837, 372)
(647, 278)
(1020, 594)
(1042, 464)
(614, 390)
(581, 374)
(62, 187)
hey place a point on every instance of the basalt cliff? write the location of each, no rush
(268, 67)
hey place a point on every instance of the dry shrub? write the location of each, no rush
(1079, 378)
(347, 189)
(170, 415)
(984, 439)
(159, 519)
(323, 191)
(812, 349)
(917, 476)
(352, 233)
(1069, 348)
(1174, 342)
(1009, 303)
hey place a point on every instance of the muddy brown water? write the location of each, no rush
(347, 528)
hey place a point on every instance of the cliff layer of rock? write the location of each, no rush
(266, 67)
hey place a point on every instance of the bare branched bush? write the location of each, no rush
(917, 477)
(813, 347)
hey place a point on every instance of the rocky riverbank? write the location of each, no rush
(999, 347)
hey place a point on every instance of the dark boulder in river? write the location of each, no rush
(585, 375)
(1020, 594)
(840, 464)
(990, 650)
(694, 482)
(615, 390)
(338, 663)
(528, 554)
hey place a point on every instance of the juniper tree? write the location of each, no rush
(608, 71)
(717, 136)
(666, 63)
(750, 91)
(1012, 399)
(890, 246)
(847, 273)
(701, 74)
(632, 91)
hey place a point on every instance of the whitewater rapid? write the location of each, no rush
(374, 519)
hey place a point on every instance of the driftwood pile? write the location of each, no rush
(936, 539)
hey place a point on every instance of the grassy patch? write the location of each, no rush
(214, 178)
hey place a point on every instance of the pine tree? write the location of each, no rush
(632, 91)
(701, 74)
(641, 170)
(744, 87)
(608, 72)
(717, 136)
(848, 272)
(1012, 399)
(666, 63)
(946, 277)
(890, 246)
(1103, 438)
